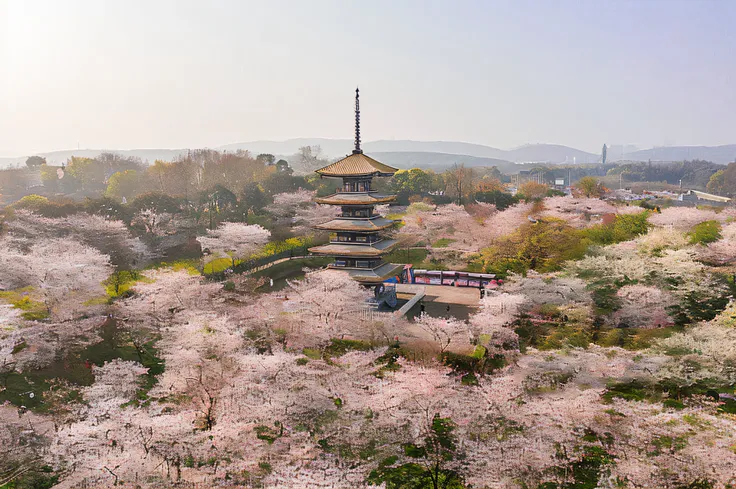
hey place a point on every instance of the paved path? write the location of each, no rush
(272, 263)
(467, 296)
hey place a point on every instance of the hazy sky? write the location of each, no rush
(175, 74)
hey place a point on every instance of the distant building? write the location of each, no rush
(694, 196)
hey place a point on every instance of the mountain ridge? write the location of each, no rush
(462, 151)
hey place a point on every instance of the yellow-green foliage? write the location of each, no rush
(705, 232)
(276, 247)
(32, 202)
(191, 266)
(541, 246)
(21, 299)
(419, 207)
(121, 282)
(623, 228)
(219, 265)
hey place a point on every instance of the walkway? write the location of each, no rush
(417, 291)
(467, 296)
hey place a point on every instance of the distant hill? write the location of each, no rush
(430, 154)
(439, 161)
(717, 154)
(58, 157)
(550, 153)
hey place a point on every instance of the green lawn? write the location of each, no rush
(290, 269)
(443, 242)
(400, 255)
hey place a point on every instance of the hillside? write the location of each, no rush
(439, 161)
(429, 154)
(717, 154)
(549, 153)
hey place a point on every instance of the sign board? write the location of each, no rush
(559, 181)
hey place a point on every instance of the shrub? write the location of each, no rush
(623, 228)
(500, 199)
(32, 202)
(705, 232)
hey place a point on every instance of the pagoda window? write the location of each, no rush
(340, 263)
(363, 264)
(361, 239)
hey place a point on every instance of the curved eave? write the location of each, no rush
(360, 199)
(356, 174)
(357, 165)
(365, 226)
(355, 250)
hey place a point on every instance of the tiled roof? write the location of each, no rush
(377, 275)
(366, 225)
(359, 250)
(355, 198)
(356, 164)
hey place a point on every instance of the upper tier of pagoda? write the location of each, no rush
(357, 241)
(357, 165)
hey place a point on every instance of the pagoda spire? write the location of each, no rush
(357, 149)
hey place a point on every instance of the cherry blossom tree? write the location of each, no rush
(109, 237)
(445, 331)
(64, 272)
(308, 216)
(286, 204)
(325, 303)
(643, 306)
(684, 218)
(234, 239)
(509, 220)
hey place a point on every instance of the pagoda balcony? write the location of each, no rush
(341, 190)
(355, 198)
(357, 224)
(368, 250)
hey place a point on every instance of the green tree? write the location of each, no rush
(717, 181)
(84, 175)
(216, 201)
(407, 183)
(460, 182)
(500, 199)
(589, 187)
(252, 198)
(266, 159)
(533, 191)
(34, 161)
(705, 232)
(158, 202)
(541, 246)
(436, 464)
(282, 167)
(51, 177)
(123, 184)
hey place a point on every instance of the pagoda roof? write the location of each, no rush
(356, 165)
(355, 198)
(352, 224)
(372, 250)
(377, 275)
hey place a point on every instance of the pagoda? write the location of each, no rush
(357, 236)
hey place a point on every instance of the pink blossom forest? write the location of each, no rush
(156, 344)
(324, 244)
